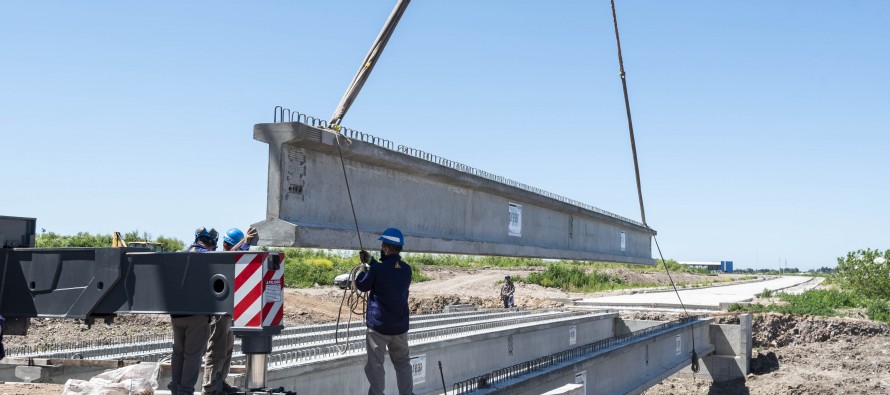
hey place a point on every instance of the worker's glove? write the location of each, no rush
(361, 269)
(364, 257)
(251, 233)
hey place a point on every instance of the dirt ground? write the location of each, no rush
(792, 355)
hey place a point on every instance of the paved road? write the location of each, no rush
(706, 298)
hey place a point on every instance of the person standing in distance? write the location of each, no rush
(507, 291)
(387, 285)
(218, 358)
(190, 331)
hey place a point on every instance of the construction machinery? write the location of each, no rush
(118, 241)
(99, 283)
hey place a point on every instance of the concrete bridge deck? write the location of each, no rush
(705, 298)
(471, 343)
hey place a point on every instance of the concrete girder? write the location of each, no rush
(441, 206)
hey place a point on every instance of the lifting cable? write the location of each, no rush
(352, 297)
(633, 147)
(355, 299)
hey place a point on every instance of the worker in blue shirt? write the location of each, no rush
(218, 359)
(190, 331)
(387, 282)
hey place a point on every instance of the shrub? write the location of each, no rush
(866, 272)
(171, 243)
(822, 302)
(84, 239)
(878, 310)
(573, 278)
(304, 267)
(472, 261)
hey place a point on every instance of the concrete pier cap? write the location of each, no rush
(441, 206)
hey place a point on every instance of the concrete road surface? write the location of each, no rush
(710, 298)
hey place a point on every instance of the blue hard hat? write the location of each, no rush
(233, 236)
(392, 236)
(203, 233)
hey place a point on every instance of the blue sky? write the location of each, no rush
(761, 126)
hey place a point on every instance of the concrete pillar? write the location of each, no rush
(731, 358)
(746, 328)
(35, 374)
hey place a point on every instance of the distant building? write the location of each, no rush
(721, 266)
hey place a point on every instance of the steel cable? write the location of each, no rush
(633, 147)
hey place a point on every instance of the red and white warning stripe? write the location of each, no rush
(273, 295)
(249, 289)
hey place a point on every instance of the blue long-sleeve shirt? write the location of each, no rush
(387, 283)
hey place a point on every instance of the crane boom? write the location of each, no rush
(368, 64)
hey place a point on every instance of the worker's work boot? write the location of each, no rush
(228, 389)
(225, 390)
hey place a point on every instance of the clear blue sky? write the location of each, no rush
(762, 127)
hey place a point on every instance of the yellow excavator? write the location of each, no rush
(118, 241)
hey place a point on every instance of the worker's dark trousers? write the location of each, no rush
(218, 359)
(377, 344)
(508, 301)
(189, 343)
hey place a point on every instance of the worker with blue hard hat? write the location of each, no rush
(205, 240)
(190, 331)
(221, 342)
(234, 239)
(387, 283)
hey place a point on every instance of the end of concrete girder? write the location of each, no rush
(276, 233)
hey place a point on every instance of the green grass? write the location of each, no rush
(822, 302)
(469, 261)
(304, 267)
(878, 310)
(574, 278)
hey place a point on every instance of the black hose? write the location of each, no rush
(442, 375)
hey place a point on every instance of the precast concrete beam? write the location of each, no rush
(441, 206)
(462, 356)
(630, 367)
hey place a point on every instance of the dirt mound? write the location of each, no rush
(780, 330)
(803, 355)
(48, 332)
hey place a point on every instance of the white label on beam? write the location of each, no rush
(418, 369)
(678, 345)
(623, 241)
(515, 227)
(581, 378)
(573, 335)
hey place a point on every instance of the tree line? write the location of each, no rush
(85, 239)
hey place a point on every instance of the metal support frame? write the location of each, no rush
(89, 283)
